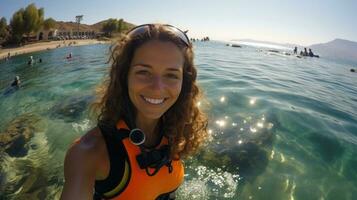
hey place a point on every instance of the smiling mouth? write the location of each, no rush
(153, 101)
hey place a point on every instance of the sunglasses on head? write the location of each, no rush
(138, 30)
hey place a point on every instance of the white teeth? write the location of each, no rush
(154, 101)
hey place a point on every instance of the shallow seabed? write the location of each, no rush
(281, 127)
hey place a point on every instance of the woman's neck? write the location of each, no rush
(151, 129)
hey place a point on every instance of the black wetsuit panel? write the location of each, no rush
(117, 156)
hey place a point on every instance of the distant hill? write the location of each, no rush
(99, 25)
(337, 49)
(72, 26)
(84, 27)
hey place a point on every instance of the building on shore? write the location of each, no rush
(46, 34)
(69, 30)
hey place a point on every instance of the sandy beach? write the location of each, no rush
(40, 46)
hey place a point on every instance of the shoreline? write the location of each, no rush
(41, 46)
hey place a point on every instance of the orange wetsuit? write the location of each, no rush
(126, 179)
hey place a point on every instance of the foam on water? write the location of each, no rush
(205, 183)
(82, 126)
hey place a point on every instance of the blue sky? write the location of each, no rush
(301, 21)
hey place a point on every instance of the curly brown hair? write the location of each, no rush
(184, 124)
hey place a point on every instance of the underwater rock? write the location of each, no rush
(327, 147)
(243, 152)
(35, 184)
(71, 108)
(248, 160)
(14, 139)
(350, 167)
(31, 184)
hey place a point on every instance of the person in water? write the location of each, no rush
(14, 86)
(310, 53)
(295, 50)
(301, 53)
(30, 61)
(16, 82)
(305, 52)
(148, 121)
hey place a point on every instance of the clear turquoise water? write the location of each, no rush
(281, 127)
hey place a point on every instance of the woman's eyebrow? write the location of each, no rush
(141, 65)
(174, 69)
(178, 69)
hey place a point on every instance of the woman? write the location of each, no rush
(148, 121)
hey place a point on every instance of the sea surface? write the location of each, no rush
(281, 127)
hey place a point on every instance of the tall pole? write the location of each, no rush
(78, 20)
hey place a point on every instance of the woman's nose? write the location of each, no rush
(157, 83)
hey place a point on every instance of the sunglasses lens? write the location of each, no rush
(146, 27)
(139, 30)
(179, 34)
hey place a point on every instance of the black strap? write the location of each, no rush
(167, 196)
(155, 159)
(113, 132)
(117, 156)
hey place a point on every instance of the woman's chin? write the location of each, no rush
(152, 116)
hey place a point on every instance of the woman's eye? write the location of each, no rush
(143, 72)
(174, 76)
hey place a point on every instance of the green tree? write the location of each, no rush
(49, 23)
(120, 25)
(3, 28)
(31, 19)
(110, 26)
(17, 25)
(26, 21)
(41, 19)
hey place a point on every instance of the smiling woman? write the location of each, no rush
(155, 79)
(148, 120)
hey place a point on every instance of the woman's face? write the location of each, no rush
(155, 78)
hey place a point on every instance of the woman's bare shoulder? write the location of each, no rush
(89, 146)
(81, 166)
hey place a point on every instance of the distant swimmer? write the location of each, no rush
(16, 82)
(353, 70)
(40, 60)
(15, 85)
(295, 50)
(305, 52)
(310, 53)
(30, 61)
(69, 55)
